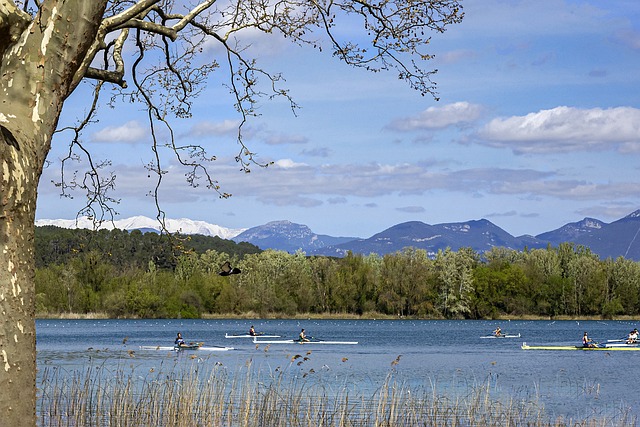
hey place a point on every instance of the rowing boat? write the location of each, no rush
(501, 336)
(250, 336)
(578, 347)
(314, 341)
(622, 342)
(187, 347)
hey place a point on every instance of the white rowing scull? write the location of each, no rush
(314, 341)
(502, 336)
(250, 336)
(176, 348)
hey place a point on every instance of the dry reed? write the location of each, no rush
(204, 394)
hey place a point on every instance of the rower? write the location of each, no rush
(303, 336)
(179, 341)
(587, 342)
(252, 331)
(497, 332)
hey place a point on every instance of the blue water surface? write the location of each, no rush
(446, 356)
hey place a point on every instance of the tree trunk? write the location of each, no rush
(40, 57)
(17, 274)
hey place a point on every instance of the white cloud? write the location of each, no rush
(280, 139)
(288, 164)
(131, 131)
(566, 129)
(205, 128)
(454, 56)
(411, 209)
(501, 214)
(337, 200)
(629, 38)
(250, 39)
(456, 114)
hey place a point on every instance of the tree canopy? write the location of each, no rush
(97, 272)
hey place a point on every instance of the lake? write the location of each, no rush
(448, 356)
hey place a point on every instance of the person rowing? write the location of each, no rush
(179, 342)
(303, 336)
(252, 332)
(587, 342)
(633, 337)
(498, 332)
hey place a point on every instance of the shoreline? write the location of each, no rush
(329, 316)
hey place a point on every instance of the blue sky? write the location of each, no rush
(538, 125)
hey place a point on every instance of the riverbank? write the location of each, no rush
(333, 316)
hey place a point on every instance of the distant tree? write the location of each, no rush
(624, 284)
(455, 276)
(50, 46)
(407, 283)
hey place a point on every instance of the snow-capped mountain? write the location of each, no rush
(182, 225)
(619, 238)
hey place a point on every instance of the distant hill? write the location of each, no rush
(480, 235)
(287, 236)
(619, 238)
(572, 231)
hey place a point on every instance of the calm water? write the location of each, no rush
(448, 355)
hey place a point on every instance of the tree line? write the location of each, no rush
(147, 275)
(124, 249)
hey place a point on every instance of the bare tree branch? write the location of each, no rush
(397, 30)
(116, 76)
(93, 184)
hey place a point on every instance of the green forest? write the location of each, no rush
(136, 275)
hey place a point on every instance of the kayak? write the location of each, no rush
(250, 336)
(314, 341)
(502, 336)
(185, 347)
(579, 347)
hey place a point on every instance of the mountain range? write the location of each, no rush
(145, 224)
(615, 239)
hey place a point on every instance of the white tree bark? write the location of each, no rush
(39, 59)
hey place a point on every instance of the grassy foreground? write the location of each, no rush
(206, 395)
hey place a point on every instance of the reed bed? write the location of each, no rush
(206, 394)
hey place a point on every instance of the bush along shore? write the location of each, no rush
(563, 282)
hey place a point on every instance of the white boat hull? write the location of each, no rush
(502, 336)
(174, 348)
(250, 336)
(303, 342)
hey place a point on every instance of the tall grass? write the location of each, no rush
(206, 394)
